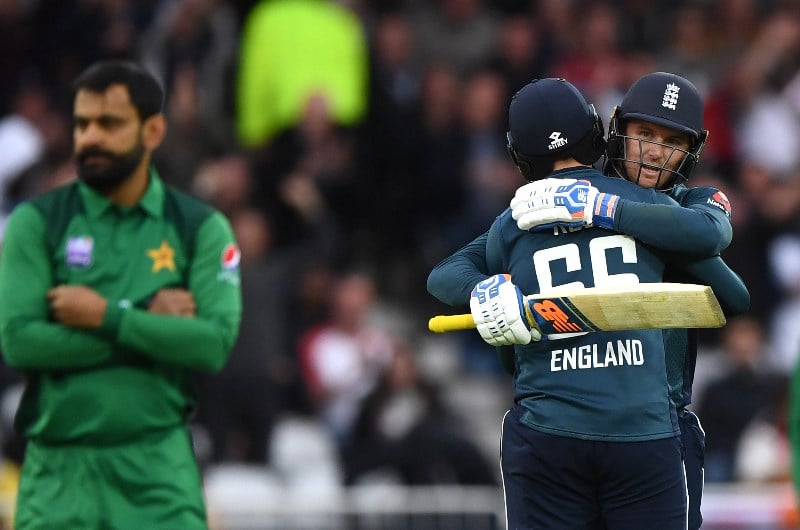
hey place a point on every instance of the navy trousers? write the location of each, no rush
(694, 443)
(552, 481)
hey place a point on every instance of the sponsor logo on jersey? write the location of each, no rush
(670, 98)
(79, 251)
(229, 260)
(720, 200)
(231, 257)
(557, 142)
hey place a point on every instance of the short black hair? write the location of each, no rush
(144, 89)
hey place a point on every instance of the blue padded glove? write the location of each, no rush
(571, 203)
(498, 310)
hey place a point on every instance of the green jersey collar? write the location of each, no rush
(152, 202)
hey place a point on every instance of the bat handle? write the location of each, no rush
(444, 323)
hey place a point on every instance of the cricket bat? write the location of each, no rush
(637, 306)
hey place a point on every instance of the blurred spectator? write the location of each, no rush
(239, 405)
(459, 33)
(291, 50)
(191, 45)
(405, 431)
(692, 47)
(490, 177)
(763, 454)
(17, 32)
(784, 331)
(764, 73)
(390, 147)
(522, 52)
(730, 401)
(71, 34)
(558, 18)
(306, 180)
(747, 254)
(31, 134)
(594, 62)
(21, 146)
(343, 359)
(225, 182)
(442, 159)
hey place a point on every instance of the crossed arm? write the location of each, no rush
(61, 327)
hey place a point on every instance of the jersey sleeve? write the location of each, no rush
(29, 340)
(693, 226)
(728, 287)
(451, 281)
(204, 341)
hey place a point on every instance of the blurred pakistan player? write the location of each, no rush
(113, 290)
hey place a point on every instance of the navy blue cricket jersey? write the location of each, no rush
(600, 386)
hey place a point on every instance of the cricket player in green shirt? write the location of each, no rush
(113, 290)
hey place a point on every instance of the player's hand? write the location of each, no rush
(543, 204)
(77, 306)
(497, 309)
(173, 301)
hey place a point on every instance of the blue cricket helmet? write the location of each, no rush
(664, 99)
(549, 119)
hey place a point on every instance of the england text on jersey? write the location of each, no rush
(598, 355)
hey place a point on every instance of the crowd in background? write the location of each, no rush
(354, 144)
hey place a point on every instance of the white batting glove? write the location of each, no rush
(497, 309)
(543, 204)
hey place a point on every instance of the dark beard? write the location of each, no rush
(109, 177)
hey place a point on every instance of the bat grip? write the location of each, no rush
(444, 323)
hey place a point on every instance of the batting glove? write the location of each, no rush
(571, 203)
(498, 311)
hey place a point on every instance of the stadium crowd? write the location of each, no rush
(353, 144)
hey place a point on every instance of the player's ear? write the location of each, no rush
(154, 129)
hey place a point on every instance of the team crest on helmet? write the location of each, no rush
(670, 99)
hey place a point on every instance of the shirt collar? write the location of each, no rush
(152, 202)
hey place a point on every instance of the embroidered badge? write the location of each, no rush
(79, 251)
(670, 98)
(163, 257)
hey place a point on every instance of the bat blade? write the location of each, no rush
(638, 306)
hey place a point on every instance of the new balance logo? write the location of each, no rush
(557, 141)
(670, 100)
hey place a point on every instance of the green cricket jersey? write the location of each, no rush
(132, 376)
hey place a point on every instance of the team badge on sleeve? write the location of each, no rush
(720, 200)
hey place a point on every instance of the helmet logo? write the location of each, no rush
(670, 100)
(557, 140)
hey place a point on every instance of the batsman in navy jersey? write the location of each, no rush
(559, 387)
(660, 120)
